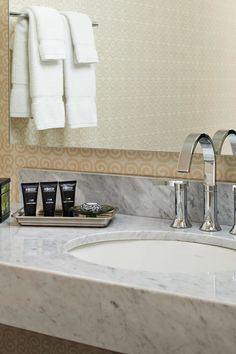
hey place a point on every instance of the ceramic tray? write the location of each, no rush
(58, 220)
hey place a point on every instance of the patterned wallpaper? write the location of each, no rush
(166, 68)
(18, 341)
(14, 157)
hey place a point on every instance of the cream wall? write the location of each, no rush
(14, 157)
(167, 68)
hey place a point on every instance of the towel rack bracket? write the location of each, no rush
(22, 14)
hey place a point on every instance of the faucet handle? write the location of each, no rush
(233, 230)
(181, 220)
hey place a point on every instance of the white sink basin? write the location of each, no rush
(165, 256)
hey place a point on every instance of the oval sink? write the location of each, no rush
(165, 256)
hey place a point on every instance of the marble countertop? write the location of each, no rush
(45, 249)
(40, 281)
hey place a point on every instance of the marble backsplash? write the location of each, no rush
(140, 196)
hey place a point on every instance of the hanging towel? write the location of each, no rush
(80, 89)
(46, 85)
(50, 33)
(82, 37)
(19, 96)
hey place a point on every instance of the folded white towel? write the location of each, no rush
(82, 37)
(46, 85)
(50, 33)
(19, 96)
(80, 89)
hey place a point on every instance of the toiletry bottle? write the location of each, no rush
(49, 194)
(30, 195)
(67, 197)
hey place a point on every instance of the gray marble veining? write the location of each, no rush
(140, 196)
(45, 289)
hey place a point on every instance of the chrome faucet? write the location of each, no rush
(218, 140)
(181, 220)
(220, 137)
(210, 222)
(233, 230)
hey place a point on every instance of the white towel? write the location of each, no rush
(80, 89)
(50, 33)
(19, 97)
(46, 85)
(82, 37)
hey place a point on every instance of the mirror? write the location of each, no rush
(166, 69)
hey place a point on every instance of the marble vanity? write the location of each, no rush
(47, 290)
(165, 73)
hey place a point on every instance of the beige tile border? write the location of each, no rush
(19, 341)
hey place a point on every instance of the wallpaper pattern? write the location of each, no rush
(18, 341)
(166, 68)
(13, 157)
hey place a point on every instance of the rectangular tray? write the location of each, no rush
(58, 220)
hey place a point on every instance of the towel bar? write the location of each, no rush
(22, 14)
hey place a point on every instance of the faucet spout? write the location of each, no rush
(210, 222)
(220, 137)
(186, 155)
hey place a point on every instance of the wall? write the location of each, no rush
(14, 157)
(18, 341)
(166, 68)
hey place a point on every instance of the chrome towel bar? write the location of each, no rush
(22, 14)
